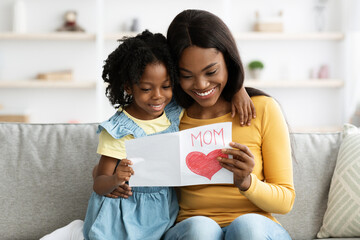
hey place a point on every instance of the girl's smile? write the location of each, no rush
(152, 93)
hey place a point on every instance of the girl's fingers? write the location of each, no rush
(233, 110)
(253, 110)
(241, 115)
(250, 116)
(245, 113)
(125, 162)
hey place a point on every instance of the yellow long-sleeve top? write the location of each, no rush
(271, 190)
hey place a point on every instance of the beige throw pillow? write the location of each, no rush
(342, 216)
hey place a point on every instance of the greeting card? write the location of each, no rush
(183, 158)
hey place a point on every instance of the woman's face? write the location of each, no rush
(203, 74)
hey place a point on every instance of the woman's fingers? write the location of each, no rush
(242, 157)
(241, 147)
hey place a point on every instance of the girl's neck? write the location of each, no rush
(221, 108)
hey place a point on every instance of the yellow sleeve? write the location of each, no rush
(276, 193)
(111, 147)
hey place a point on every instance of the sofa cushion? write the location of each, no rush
(45, 176)
(342, 216)
(314, 162)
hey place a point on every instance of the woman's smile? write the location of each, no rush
(203, 76)
(205, 94)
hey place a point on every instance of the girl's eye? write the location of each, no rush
(211, 73)
(165, 87)
(145, 89)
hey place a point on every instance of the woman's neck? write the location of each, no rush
(197, 111)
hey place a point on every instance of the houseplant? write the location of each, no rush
(255, 68)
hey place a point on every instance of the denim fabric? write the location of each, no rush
(119, 125)
(247, 227)
(147, 214)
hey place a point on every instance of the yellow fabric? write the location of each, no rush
(271, 190)
(115, 148)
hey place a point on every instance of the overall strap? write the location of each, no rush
(120, 125)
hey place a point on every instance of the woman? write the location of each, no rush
(210, 73)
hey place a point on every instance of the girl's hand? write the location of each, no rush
(241, 165)
(123, 191)
(123, 172)
(242, 104)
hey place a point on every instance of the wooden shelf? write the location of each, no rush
(117, 36)
(48, 36)
(48, 84)
(311, 83)
(333, 36)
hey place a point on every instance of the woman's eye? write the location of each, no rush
(211, 73)
(185, 76)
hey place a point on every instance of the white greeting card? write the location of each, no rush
(183, 158)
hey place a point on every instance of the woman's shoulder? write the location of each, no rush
(263, 101)
(265, 104)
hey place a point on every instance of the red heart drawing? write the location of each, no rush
(205, 165)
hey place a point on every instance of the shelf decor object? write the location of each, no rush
(274, 24)
(14, 116)
(70, 24)
(19, 17)
(66, 75)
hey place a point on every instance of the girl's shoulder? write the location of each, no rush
(173, 111)
(119, 125)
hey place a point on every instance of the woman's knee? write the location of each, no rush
(255, 226)
(198, 227)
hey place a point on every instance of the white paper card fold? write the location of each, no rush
(183, 158)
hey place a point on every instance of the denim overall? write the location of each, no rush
(150, 211)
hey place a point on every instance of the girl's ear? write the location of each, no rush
(128, 90)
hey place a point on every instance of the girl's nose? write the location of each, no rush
(157, 94)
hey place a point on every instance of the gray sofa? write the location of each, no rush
(45, 175)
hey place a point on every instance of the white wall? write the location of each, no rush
(284, 60)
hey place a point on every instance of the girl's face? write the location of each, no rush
(152, 93)
(203, 75)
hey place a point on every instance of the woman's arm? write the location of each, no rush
(274, 194)
(106, 180)
(242, 104)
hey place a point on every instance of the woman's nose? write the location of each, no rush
(201, 83)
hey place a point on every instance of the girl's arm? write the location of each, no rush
(106, 180)
(242, 104)
(123, 190)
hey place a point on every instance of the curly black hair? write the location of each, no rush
(125, 65)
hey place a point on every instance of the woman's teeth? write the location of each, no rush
(203, 94)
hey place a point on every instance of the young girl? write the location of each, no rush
(210, 73)
(140, 75)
